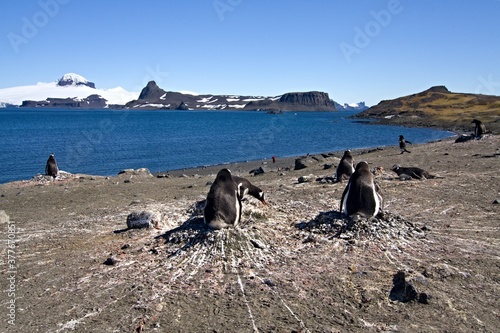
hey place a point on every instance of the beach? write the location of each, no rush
(293, 265)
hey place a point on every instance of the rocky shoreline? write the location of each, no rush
(295, 265)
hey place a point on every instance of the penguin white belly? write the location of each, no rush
(377, 201)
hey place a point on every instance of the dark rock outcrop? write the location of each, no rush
(151, 92)
(182, 106)
(90, 102)
(296, 101)
(153, 97)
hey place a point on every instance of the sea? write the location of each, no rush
(104, 142)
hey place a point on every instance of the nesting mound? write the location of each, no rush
(386, 227)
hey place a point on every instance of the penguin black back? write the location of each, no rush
(345, 167)
(51, 168)
(412, 172)
(361, 195)
(223, 205)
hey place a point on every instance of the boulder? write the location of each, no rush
(303, 162)
(145, 219)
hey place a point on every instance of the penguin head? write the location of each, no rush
(396, 167)
(261, 197)
(223, 175)
(475, 121)
(362, 166)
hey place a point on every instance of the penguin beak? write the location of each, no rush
(264, 202)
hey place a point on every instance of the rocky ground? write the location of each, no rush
(431, 264)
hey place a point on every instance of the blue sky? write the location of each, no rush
(365, 50)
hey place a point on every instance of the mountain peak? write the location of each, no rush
(72, 79)
(151, 92)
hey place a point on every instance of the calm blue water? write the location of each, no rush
(103, 142)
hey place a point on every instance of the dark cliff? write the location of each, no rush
(296, 101)
(90, 102)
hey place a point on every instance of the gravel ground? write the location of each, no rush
(430, 264)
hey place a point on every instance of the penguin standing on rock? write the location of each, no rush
(361, 195)
(223, 205)
(245, 187)
(402, 144)
(51, 168)
(345, 167)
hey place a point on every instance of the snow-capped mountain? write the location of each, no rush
(70, 85)
(361, 106)
(72, 79)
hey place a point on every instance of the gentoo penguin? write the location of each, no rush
(402, 144)
(412, 172)
(345, 167)
(245, 187)
(51, 168)
(361, 195)
(480, 129)
(223, 205)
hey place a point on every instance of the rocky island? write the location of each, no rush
(153, 97)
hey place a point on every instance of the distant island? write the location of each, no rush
(153, 97)
(437, 107)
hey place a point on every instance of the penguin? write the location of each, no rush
(402, 144)
(345, 167)
(51, 168)
(245, 187)
(480, 129)
(361, 195)
(223, 205)
(413, 172)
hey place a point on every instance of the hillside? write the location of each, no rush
(438, 107)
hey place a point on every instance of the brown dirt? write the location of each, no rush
(293, 266)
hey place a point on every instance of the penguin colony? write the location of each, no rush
(361, 196)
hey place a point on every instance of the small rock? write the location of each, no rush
(269, 282)
(110, 261)
(258, 244)
(258, 171)
(305, 179)
(4, 218)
